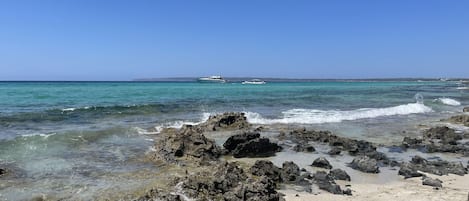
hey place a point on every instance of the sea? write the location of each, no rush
(80, 139)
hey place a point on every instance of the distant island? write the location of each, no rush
(240, 79)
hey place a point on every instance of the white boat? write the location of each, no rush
(212, 79)
(254, 81)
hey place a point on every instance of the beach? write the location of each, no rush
(190, 141)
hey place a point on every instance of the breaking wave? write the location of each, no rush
(448, 101)
(175, 124)
(311, 116)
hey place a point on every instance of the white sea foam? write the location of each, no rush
(45, 136)
(448, 101)
(310, 116)
(69, 109)
(174, 124)
(462, 88)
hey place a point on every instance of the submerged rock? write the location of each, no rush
(322, 163)
(335, 151)
(365, 164)
(2, 171)
(228, 120)
(440, 167)
(339, 174)
(432, 182)
(187, 143)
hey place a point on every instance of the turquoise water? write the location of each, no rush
(86, 134)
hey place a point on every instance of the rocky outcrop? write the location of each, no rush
(322, 163)
(290, 172)
(432, 182)
(268, 169)
(187, 144)
(250, 145)
(354, 147)
(335, 151)
(226, 121)
(438, 139)
(327, 183)
(229, 182)
(339, 174)
(440, 167)
(466, 109)
(365, 164)
(460, 119)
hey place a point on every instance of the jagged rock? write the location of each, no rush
(408, 171)
(303, 148)
(327, 183)
(290, 171)
(228, 120)
(339, 174)
(439, 167)
(365, 164)
(233, 141)
(460, 119)
(322, 163)
(188, 143)
(443, 133)
(432, 182)
(156, 195)
(354, 147)
(266, 168)
(2, 171)
(335, 151)
(260, 147)
(228, 182)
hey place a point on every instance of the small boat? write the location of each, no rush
(212, 79)
(254, 81)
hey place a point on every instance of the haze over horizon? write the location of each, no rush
(126, 40)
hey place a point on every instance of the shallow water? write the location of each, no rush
(78, 139)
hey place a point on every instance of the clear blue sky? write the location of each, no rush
(122, 40)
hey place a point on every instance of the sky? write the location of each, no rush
(125, 40)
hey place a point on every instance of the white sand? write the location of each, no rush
(454, 188)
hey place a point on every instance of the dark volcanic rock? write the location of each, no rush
(228, 120)
(365, 164)
(466, 109)
(443, 133)
(266, 168)
(339, 174)
(408, 171)
(303, 148)
(290, 171)
(322, 163)
(327, 183)
(439, 167)
(432, 182)
(187, 142)
(2, 171)
(230, 183)
(157, 195)
(260, 147)
(354, 147)
(233, 141)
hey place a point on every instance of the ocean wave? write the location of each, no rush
(462, 88)
(45, 136)
(448, 101)
(311, 116)
(175, 124)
